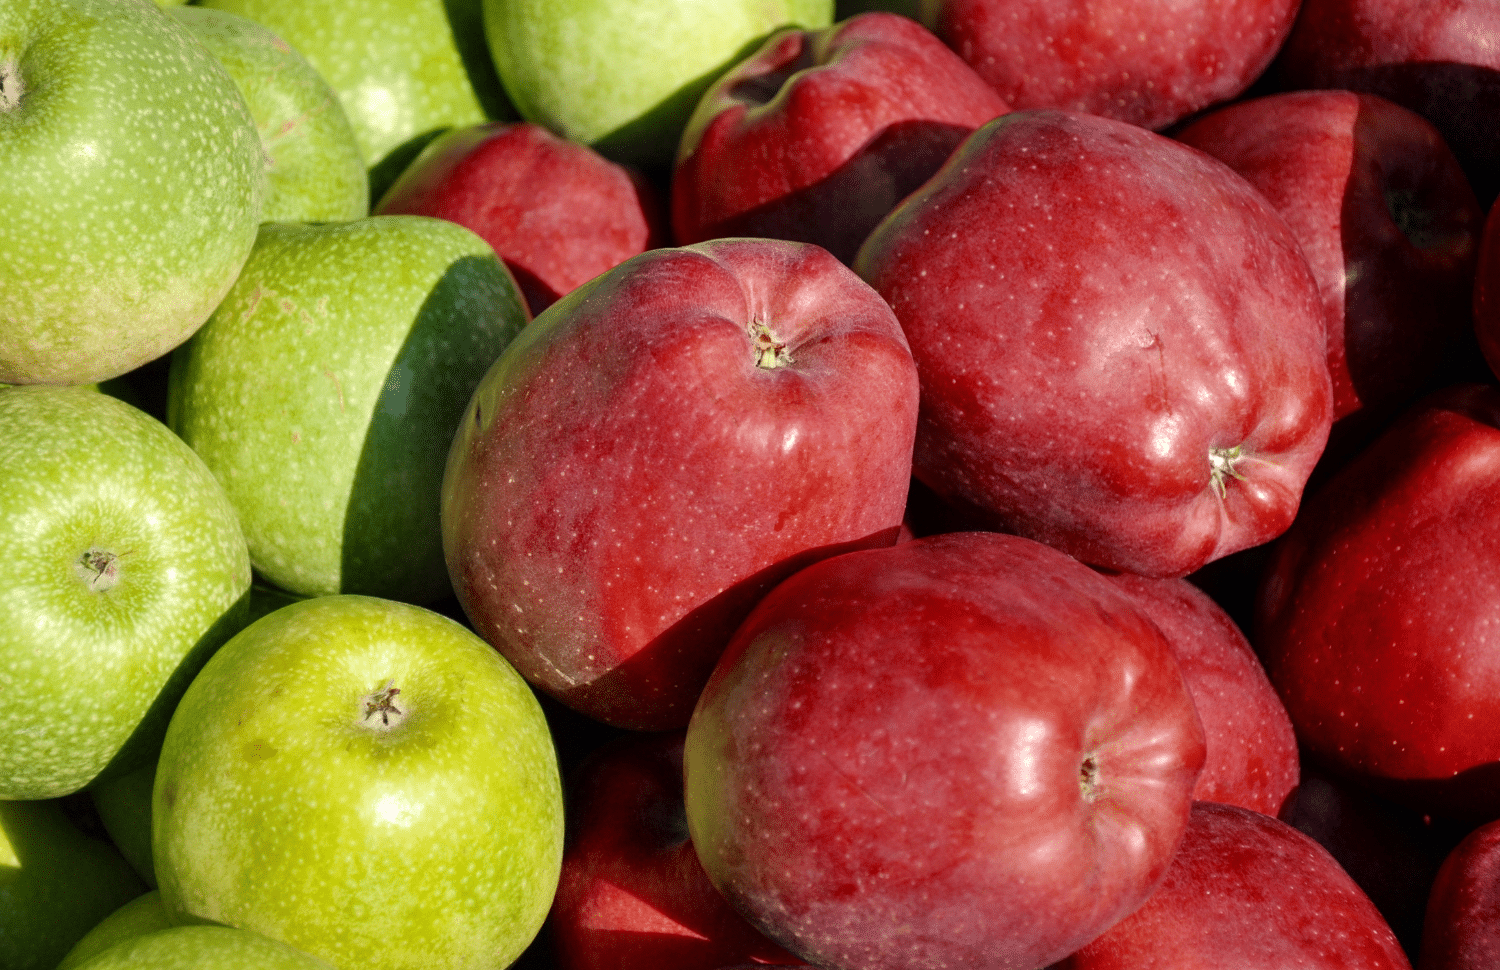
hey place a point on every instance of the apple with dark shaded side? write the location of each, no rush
(1121, 346)
(968, 750)
(660, 447)
(819, 133)
(1487, 292)
(1462, 929)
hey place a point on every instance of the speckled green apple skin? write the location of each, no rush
(394, 63)
(625, 77)
(282, 806)
(202, 948)
(327, 387)
(131, 192)
(143, 914)
(314, 170)
(85, 668)
(123, 804)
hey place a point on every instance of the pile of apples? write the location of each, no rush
(997, 484)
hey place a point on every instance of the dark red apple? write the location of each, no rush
(1379, 615)
(1252, 753)
(1121, 347)
(632, 895)
(1147, 62)
(1248, 892)
(1487, 292)
(1388, 223)
(558, 213)
(820, 133)
(1462, 929)
(967, 750)
(657, 449)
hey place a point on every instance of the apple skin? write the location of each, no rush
(1252, 751)
(1146, 62)
(629, 479)
(1378, 613)
(1487, 292)
(201, 948)
(1248, 892)
(557, 212)
(820, 133)
(633, 895)
(101, 273)
(141, 915)
(366, 781)
(1121, 346)
(1462, 928)
(968, 750)
(123, 804)
(1387, 221)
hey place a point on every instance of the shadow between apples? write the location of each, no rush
(383, 173)
(466, 21)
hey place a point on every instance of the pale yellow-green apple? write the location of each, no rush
(202, 948)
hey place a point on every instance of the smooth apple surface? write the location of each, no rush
(1121, 346)
(1248, 892)
(820, 133)
(143, 914)
(1487, 292)
(661, 446)
(968, 750)
(1462, 927)
(1378, 614)
(132, 189)
(123, 804)
(202, 948)
(557, 212)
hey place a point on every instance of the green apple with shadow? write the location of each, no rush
(200, 947)
(123, 804)
(314, 169)
(122, 568)
(624, 77)
(143, 914)
(131, 189)
(325, 390)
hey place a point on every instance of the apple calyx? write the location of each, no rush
(1088, 777)
(11, 88)
(1221, 463)
(769, 352)
(381, 701)
(99, 569)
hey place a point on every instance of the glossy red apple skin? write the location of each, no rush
(1462, 929)
(629, 479)
(1252, 752)
(1387, 220)
(1487, 291)
(632, 895)
(967, 750)
(1100, 316)
(1146, 62)
(1379, 615)
(1248, 892)
(558, 213)
(820, 133)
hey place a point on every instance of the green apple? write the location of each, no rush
(143, 914)
(315, 170)
(122, 567)
(55, 883)
(326, 389)
(123, 804)
(365, 780)
(201, 948)
(625, 77)
(131, 190)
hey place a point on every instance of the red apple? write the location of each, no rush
(1388, 223)
(1248, 892)
(1121, 347)
(820, 133)
(1462, 929)
(633, 895)
(557, 212)
(1379, 616)
(1252, 753)
(661, 446)
(1148, 62)
(968, 750)
(1487, 291)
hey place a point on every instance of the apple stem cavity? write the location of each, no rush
(11, 88)
(770, 353)
(1088, 778)
(1222, 462)
(381, 701)
(99, 569)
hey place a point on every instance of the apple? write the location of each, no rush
(557, 212)
(968, 750)
(124, 568)
(623, 78)
(657, 449)
(1462, 926)
(132, 188)
(1487, 292)
(1252, 751)
(201, 948)
(123, 804)
(1146, 62)
(324, 391)
(314, 172)
(1246, 892)
(820, 133)
(1121, 347)
(141, 915)
(1379, 614)
(1389, 226)
(364, 780)
(632, 894)
(55, 884)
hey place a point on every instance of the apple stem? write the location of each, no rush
(381, 701)
(769, 352)
(1222, 462)
(1088, 777)
(100, 569)
(11, 88)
